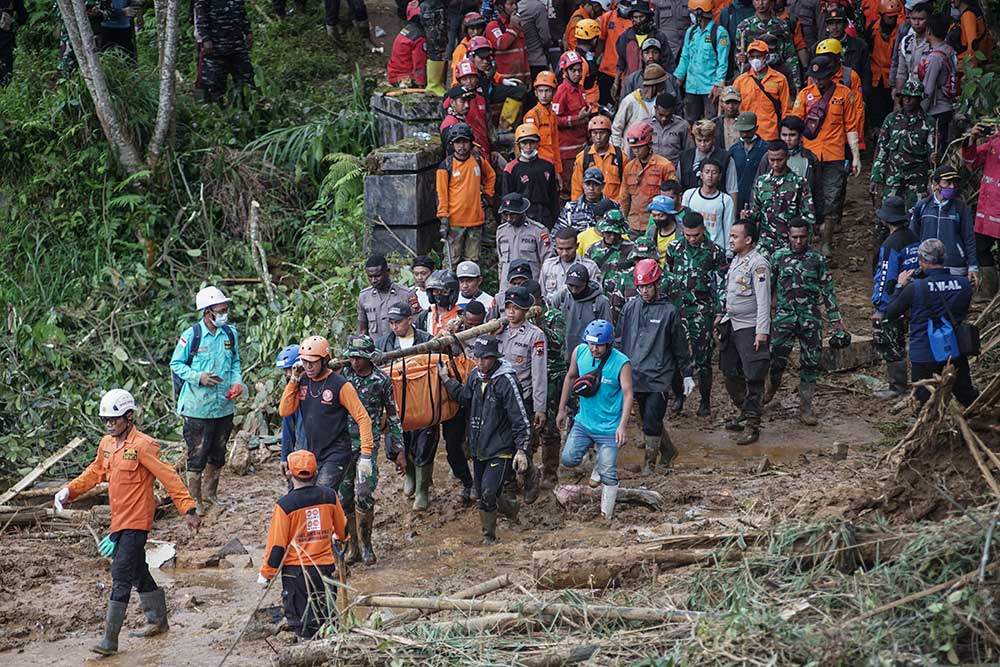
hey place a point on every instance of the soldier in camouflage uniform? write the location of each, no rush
(615, 256)
(757, 26)
(552, 322)
(434, 19)
(779, 196)
(226, 38)
(801, 278)
(695, 281)
(375, 392)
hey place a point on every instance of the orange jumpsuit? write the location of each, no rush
(642, 183)
(544, 118)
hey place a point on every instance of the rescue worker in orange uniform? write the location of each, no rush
(614, 23)
(644, 174)
(592, 9)
(588, 36)
(300, 545)
(601, 154)
(129, 460)
(764, 91)
(881, 38)
(543, 116)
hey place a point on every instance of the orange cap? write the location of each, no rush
(302, 464)
(759, 45)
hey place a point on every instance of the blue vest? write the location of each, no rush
(930, 295)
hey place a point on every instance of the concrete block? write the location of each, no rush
(859, 354)
(406, 156)
(401, 199)
(402, 116)
(421, 239)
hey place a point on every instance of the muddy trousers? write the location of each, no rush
(128, 567)
(493, 477)
(453, 432)
(963, 389)
(355, 493)
(307, 601)
(652, 408)
(206, 441)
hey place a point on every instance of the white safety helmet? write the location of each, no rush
(210, 296)
(116, 403)
(605, 4)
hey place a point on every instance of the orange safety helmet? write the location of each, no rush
(646, 272)
(587, 29)
(640, 134)
(464, 67)
(523, 131)
(314, 348)
(703, 5)
(599, 122)
(569, 59)
(890, 8)
(546, 78)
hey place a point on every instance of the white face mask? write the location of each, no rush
(694, 19)
(219, 319)
(529, 156)
(757, 64)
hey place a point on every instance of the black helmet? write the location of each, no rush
(840, 339)
(459, 131)
(446, 283)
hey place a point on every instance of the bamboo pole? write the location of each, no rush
(40, 469)
(494, 584)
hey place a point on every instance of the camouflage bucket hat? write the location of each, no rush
(613, 221)
(912, 89)
(361, 346)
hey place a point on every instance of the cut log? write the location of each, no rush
(50, 492)
(613, 566)
(577, 494)
(493, 584)
(40, 469)
(27, 516)
(348, 651)
(558, 657)
(495, 624)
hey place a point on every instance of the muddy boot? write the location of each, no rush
(154, 606)
(489, 523)
(667, 452)
(508, 506)
(898, 381)
(473, 492)
(677, 407)
(751, 433)
(465, 496)
(366, 521)
(112, 627)
(409, 482)
(194, 488)
(608, 496)
(210, 485)
(595, 477)
(353, 553)
(422, 483)
(532, 482)
(989, 283)
(826, 232)
(651, 446)
(806, 391)
(550, 465)
(705, 389)
(771, 386)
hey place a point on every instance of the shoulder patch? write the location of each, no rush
(761, 272)
(539, 348)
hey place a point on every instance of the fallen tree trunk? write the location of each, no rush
(27, 516)
(492, 623)
(558, 657)
(490, 586)
(577, 494)
(40, 469)
(49, 492)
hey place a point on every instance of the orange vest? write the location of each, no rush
(612, 26)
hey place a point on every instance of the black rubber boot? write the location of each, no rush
(154, 606)
(489, 523)
(652, 451)
(508, 506)
(667, 452)
(353, 554)
(532, 481)
(806, 414)
(112, 628)
(366, 522)
(677, 407)
(705, 389)
(772, 386)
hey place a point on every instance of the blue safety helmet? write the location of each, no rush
(599, 332)
(287, 357)
(663, 204)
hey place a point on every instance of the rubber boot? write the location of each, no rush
(532, 482)
(826, 232)
(737, 389)
(751, 433)
(667, 452)
(353, 554)
(194, 488)
(409, 482)
(435, 77)
(595, 477)
(772, 386)
(806, 391)
(508, 506)
(550, 465)
(154, 606)
(423, 478)
(898, 380)
(366, 523)
(652, 451)
(210, 485)
(608, 496)
(112, 627)
(489, 523)
(365, 32)
(465, 496)
(677, 407)
(989, 283)
(705, 389)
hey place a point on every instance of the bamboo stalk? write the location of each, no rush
(494, 584)
(40, 469)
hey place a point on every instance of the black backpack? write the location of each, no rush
(193, 345)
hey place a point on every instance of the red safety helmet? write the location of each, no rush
(647, 272)
(479, 42)
(640, 134)
(569, 59)
(412, 10)
(473, 19)
(464, 67)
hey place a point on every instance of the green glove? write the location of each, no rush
(107, 546)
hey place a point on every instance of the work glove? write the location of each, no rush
(234, 391)
(445, 228)
(262, 581)
(61, 497)
(364, 468)
(107, 546)
(443, 372)
(520, 461)
(688, 386)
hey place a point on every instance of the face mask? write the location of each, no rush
(693, 17)
(947, 193)
(529, 155)
(956, 13)
(757, 64)
(219, 319)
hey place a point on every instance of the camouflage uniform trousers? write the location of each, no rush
(699, 327)
(890, 339)
(807, 329)
(434, 19)
(217, 67)
(352, 493)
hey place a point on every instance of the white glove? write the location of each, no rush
(520, 461)
(61, 497)
(511, 82)
(688, 386)
(364, 468)
(262, 580)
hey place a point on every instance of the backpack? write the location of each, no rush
(193, 346)
(715, 37)
(952, 87)
(941, 337)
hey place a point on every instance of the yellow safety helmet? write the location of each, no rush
(587, 29)
(830, 46)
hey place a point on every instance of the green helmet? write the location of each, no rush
(912, 88)
(613, 221)
(645, 248)
(362, 346)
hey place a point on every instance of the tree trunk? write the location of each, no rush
(578, 494)
(168, 80)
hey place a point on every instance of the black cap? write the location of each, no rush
(520, 297)
(534, 288)
(945, 171)
(399, 311)
(836, 14)
(822, 67)
(893, 210)
(486, 346)
(519, 268)
(475, 307)
(514, 202)
(456, 92)
(424, 261)
(578, 276)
